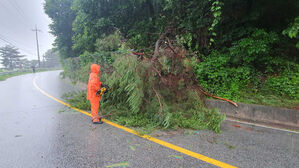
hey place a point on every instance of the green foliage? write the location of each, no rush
(11, 57)
(243, 65)
(74, 70)
(286, 84)
(133, 121)
(137, 97)
(220, 78)
(105, 48)
(268, 98)
(51, 59)
(196, 117)
(62, 16)
(205, 119)
(78, 24)
(86, 58)
(97, 18)
(249, 53)
(292, 30)
(77, 99)
(128, 82)
(256, 51)
(4, 77)
(111, 42)
(216, 12)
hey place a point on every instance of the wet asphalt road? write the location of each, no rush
(36, 131)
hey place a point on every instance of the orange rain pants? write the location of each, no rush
(94, 85)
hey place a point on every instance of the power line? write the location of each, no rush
(20, 12)
(13, 8)
(14, 43)
(7, 41)
(17, 5)
(16, 8)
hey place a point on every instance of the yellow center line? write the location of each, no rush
(150, 138)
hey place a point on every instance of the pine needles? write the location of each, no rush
(157, 93)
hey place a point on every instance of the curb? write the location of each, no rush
(281, 117)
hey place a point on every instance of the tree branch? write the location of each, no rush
(161, 106)
(216, 97)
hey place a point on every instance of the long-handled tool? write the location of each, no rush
(104, 89)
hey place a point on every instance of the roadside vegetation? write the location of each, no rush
(23, 72)
(146, 93)
(4, 77)
(15, 64)
(161, 57)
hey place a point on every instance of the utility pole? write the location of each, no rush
(37, 30)
(44, 61)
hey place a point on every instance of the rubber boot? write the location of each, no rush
(100, 120)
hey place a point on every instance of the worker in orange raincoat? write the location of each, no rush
(94, 85)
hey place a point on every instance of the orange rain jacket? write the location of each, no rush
(94, 85)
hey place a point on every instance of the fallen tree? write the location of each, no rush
(156, 89)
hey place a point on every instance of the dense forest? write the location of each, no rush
(160, 56)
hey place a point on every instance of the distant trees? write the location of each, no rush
(62, 16)
(51, 59)
(11, 57)
(28, 64)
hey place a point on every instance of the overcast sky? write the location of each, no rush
(17, 18)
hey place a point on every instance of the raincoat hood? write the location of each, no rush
(95, 68)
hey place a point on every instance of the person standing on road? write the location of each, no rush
(94, 85)
(33, 69)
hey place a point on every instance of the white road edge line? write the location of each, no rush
(259, 125)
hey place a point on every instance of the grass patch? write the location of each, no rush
(229, 146)
(77, 99)
(176, 156)
(145, 123)
(4, 77)
(145, 130)
(268, 99)
(122, 164)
